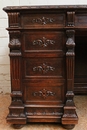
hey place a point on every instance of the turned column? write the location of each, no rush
(70, 118)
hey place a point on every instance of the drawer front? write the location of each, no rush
(43, 20)
(43, 41)
(41, 67)
(81, 20)
(44, 91)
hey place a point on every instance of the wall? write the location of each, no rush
(4, 40)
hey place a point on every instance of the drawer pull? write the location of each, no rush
(44, 42)
(44, 68)
(43, 20)
(44, 93)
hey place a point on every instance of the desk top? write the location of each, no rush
(66, 7)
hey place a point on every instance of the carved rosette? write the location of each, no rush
(44, 68)
(43, 20)
(44, 93)
(44, 42)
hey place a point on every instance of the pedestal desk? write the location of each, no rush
(47, 63)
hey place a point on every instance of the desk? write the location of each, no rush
(47, 63)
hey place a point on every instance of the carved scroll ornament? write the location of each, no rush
(44, 93)
(43, 20)
(43, 68)
(44, 42)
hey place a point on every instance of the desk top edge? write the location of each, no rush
(8, 8)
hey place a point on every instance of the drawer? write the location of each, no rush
(42, 67)
(43, 20)
(43, 41)
(44, 91)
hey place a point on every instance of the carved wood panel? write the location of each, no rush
(43, 20)
(43, 40)
(46, 91)
(43, 67)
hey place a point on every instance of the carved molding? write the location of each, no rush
(44, 113)
(44, 42)
(13, 19)
(15, 53)
(43, 20)
(43, 68)
(44, 93)
(70, 19)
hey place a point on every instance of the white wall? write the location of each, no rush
(4, 50)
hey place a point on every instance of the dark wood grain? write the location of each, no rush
(47, 62)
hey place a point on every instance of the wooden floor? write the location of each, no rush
(81, 104)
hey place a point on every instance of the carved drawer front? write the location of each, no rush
(81, 20)
(43, 67)
(43, 20)
(41, 91)
(43, 40)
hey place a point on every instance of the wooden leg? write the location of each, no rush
(17, 126)
(69, 127)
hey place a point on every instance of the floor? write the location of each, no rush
(81, 104)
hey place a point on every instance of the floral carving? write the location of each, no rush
(44, 68)
(44, 42)
(44, 93)
(43, 20)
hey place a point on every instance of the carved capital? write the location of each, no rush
(13, 19)
(70, 19)
(15, 44)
